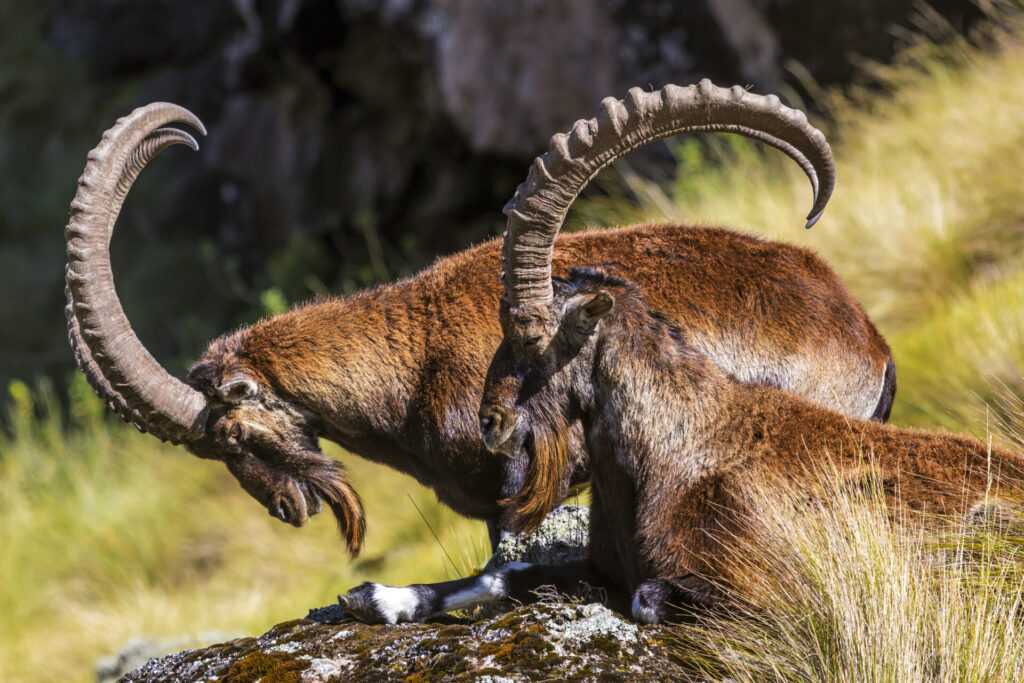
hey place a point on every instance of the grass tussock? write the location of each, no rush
(843, 594)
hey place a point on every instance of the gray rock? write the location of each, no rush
(574, 641)
(562, 537)
(544, 641)
(137, 652)
(512, 111)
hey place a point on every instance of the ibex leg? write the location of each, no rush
(376, 603)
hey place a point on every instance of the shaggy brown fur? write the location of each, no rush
(675, 444)
(395, 374)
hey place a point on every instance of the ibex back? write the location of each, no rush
(394, 374)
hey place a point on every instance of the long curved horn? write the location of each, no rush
(118, 366)
(538, 208)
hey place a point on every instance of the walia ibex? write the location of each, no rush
(395, 374)
(681, 453)
(676, 444)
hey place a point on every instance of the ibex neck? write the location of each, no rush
(666, 398)
(350, 361)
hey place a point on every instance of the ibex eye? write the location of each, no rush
(236, 431)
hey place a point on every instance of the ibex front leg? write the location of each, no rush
(376, 603)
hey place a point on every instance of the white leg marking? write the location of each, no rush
(489, 587)
(645, 615)
(395, 604)
(514, 567)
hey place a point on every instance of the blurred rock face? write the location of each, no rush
(402, 127)
(350, 141)
(514, 73)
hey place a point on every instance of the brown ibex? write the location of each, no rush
(394, 374)
(675, 442)
(677, 446)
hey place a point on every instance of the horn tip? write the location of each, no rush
(813, 218)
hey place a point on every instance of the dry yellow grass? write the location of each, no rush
(846, 596)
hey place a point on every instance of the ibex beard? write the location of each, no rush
(270, 444)
(546, 438)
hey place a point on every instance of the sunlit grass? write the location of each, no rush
(961, 367)
(108, 536)
(842, 594)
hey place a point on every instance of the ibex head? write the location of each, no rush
(532, 396)
(226, 411)
(541, 329)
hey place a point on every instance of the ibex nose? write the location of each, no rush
(496, 426)
(289, 506)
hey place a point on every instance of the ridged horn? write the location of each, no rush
(536, 212)
(118, 366)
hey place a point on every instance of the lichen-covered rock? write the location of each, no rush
(562, 537)
(570, 642)
(138, 651)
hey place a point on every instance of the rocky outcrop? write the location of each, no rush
(537, 642)
(567, 640)
(138, 651)
(561, 538)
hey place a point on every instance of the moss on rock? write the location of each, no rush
(273, 667)
(573, 642)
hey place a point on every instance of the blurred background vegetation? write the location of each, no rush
(354, 142)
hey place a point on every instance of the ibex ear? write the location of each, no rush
(588, 309)
(237, 386)
(203, 376)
